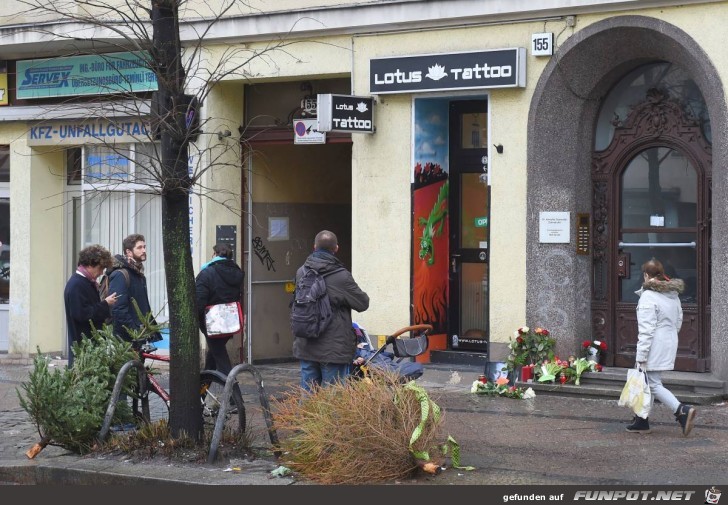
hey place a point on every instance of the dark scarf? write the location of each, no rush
(136, 266)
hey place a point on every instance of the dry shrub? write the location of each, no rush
(354, 432)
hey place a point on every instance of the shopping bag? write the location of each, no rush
(636, 393)
(223, 319)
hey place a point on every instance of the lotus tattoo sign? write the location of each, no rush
(498, 68)
(345, 113)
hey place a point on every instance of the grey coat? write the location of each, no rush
(659, 318)
(337, 344)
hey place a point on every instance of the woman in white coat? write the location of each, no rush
(659, 318)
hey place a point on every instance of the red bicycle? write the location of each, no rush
(212, 384)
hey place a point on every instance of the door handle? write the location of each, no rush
(657, 244)
(454, 262)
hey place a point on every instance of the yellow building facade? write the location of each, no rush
(525, 162)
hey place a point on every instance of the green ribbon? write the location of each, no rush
(425, 405)
(454, 447)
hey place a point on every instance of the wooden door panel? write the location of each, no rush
(625, 345)
(625, 336)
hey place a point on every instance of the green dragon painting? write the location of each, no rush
(432, 226)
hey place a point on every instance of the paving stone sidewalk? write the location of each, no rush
(549, 440)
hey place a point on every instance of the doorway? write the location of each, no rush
(296, 191)
(653, 183)
(469, 216)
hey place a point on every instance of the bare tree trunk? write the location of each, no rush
(185, 414)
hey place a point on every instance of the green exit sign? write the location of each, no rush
(481, 222)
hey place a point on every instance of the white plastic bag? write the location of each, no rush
(223, 319)
(636, 393)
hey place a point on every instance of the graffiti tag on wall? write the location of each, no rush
(263, 254)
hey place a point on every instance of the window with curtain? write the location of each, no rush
(118, 200)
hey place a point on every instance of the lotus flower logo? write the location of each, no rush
(436, 72)
(361, 107)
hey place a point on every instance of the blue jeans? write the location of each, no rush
(322, 374)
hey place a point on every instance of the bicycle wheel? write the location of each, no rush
(212, 384)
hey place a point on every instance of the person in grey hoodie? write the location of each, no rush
(328, 358)
(659, 318)
(220, 281)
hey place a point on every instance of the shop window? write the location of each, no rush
(4, 250)
(4, 163)
(107, 165)
(118, 199)
(73, 166)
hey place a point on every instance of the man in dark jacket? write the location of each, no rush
(81, 296)
(129, 287)
(219, 281)
(328, 358)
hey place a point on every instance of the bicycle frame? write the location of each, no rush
(147, 352)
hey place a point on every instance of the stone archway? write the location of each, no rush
(560, 140)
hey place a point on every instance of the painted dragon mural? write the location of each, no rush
(432, 226)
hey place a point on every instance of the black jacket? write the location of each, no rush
(83, 306)
(220, 281)
(123, 311)
(337, 344)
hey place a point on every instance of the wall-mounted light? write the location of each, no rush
(498, 148)
(224, 134)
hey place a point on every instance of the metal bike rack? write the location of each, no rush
(117, 391)
(220, 422)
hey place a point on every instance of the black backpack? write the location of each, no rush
(310, 308)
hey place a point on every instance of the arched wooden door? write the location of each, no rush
(651, 198)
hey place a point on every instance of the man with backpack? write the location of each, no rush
(127, 280)
(324, 340)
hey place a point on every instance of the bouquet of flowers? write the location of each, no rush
(530, 347)
(549, 370)
(580, 366)
(589, 347)
(500, 387)
(576, 367)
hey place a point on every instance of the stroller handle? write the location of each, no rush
(424, 328)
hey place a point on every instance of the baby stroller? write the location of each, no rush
(368, 358)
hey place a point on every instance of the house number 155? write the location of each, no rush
(542, 44)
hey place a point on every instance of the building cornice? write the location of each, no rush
(357, 18)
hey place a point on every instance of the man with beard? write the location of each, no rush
(129, 285)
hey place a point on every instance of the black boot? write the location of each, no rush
(685, 415)
(639, 425)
